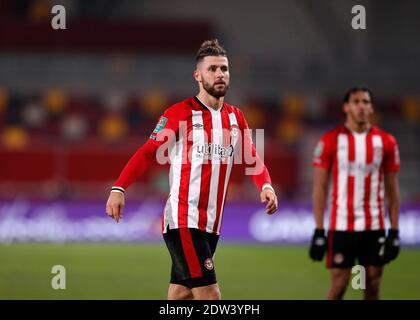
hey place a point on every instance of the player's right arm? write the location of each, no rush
(322, 160)
(319, 195)
(165, 133)
(134, 168)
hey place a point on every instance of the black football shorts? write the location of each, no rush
(345, 247)
(192, 252)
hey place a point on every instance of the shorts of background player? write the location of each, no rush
(192, 252)
(345, 247)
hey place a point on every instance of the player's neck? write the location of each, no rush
(210, 101)
(356, 127)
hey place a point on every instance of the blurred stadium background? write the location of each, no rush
(76, 103)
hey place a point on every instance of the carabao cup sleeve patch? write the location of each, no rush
(318, 149)
(159, 127)
(161, 124)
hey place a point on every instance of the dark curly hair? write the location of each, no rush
(210, 48)
(356, 89)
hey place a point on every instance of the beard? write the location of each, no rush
(359, 120)
(217, 93)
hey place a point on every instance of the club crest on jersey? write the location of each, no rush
(234, 130)
(208, 263)
(160, 125)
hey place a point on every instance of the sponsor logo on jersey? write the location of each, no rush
(354, 168)
(198, 125)
(210, 151)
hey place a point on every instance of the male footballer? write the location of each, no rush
(361, 162)
(204, 137)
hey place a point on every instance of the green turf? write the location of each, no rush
(141, 271)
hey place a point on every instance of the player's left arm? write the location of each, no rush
(392, 194)
(261, 176)
(392, 190)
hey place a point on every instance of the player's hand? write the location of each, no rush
(115, 205)
(318, 245)
(392, 245)
(268, 196)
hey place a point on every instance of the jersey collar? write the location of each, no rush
(358, 133)
(208, 108)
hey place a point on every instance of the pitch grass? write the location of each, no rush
(141, 271)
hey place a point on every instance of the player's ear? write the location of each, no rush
(346, 107)
(197, 75)
(372, 109)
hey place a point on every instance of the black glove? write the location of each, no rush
(392, 245)
(318, 245)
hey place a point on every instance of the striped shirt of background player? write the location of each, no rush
(358, 162)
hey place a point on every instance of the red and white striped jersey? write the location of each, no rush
(201, 154)
(358, 162)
